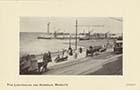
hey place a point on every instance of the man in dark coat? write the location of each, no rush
(45, 60)
(49, 56)
(80, 50)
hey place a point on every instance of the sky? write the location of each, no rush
(67, 24)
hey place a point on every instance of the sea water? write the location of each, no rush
(30, 44)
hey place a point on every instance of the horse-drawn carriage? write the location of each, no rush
(60, 59)
(29, 65)
(95, 50)
(118, 46)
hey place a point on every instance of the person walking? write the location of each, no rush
(45, 60)
(80, 50)
(70, 51)
(49, 56)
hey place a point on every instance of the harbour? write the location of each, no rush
(87, 52)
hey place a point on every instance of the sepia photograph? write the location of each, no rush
(71, 46)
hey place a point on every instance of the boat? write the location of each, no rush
(40, 37)
(45, 36)
(84, 38)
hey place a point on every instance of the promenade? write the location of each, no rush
(87, 65)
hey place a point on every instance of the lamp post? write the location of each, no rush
(76, 35)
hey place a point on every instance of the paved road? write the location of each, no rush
(83, 66)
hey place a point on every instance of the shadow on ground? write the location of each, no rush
(112, 68)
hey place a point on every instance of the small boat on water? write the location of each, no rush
(39, 37)
(45, 37)
(84, 38)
